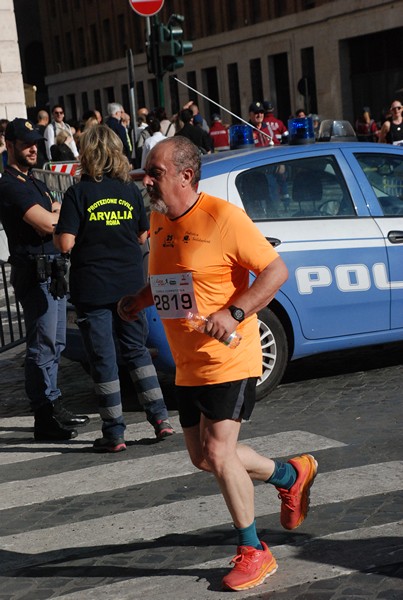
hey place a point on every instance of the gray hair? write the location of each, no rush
(184, 154)
(113, 108)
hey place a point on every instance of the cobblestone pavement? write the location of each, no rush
(144, 524)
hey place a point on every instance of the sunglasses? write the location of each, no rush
(396, 107)
(58, 112)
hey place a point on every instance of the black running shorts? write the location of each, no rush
(232, 400)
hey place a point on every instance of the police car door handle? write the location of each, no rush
(395, 237)
(275, 241)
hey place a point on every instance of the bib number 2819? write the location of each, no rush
(173, 295)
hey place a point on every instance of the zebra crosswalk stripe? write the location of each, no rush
(142, 470)
(295, 568)
(197, 513)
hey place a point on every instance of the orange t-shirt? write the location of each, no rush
(218, 244)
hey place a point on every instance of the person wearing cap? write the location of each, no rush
(219, 133)
(365, 127)
(262, 133)
(29, 214)
(276, 125)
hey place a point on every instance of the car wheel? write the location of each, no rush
(274, 344)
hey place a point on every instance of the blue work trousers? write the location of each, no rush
(101, 327)
(45, 323)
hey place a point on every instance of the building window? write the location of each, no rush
(69, 51)
(256, 79)
(231, 14)
(58, 53)
(84, 102)
(280, 85)
(108, 42)
(98, 101)
(191, 80)
(308, 74)
(255, 11)
(210, 84)
(94, 44)
(73, 107)
(81, 44)
(109, 94)
(122, 35)
(209, 7)
(174, 94)
(233, 86)
(141, 98)
(125, 97)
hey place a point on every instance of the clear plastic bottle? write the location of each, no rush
(198, 322)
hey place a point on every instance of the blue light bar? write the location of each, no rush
(301, 131)
(240, 136)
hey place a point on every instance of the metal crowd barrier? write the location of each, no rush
(12, 329)
(58, 177)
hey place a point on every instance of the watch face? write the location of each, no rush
(237, 313)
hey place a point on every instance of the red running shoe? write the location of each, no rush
(295, 501)
(251, 567)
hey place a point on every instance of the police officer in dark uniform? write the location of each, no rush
(29, 215)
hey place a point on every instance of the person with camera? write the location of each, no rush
(29, 214)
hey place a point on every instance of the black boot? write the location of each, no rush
(66, 418)
(47, 428)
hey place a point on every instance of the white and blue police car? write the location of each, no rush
(334, 212)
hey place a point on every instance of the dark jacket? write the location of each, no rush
(61, 152)
(198, 136)
(118, 128)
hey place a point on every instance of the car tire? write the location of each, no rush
(274, 344)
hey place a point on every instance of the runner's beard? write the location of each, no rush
(159, 206)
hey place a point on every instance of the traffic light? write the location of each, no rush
(172, 47)
(152, 50)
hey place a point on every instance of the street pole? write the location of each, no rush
(132, 99)
(154, 40)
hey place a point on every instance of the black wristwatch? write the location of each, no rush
(237, 313)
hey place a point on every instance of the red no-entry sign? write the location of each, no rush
(146, 8)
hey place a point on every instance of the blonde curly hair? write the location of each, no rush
(101, 153)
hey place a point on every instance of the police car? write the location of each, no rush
(334, 212)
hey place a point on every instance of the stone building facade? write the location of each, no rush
(12, 99)
(329, 57)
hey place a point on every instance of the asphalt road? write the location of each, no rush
(145, 525)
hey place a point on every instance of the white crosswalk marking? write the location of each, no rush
(196, 513)
(291, 559)
(141, 470)
(320, 557)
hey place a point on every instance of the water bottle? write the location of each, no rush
(198, 322)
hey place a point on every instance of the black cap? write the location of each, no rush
(366, 109)
(23, 130)
(256, 107)
(215, 117)
(268, 106)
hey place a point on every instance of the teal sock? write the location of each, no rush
(248, 537)
(284, 475)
